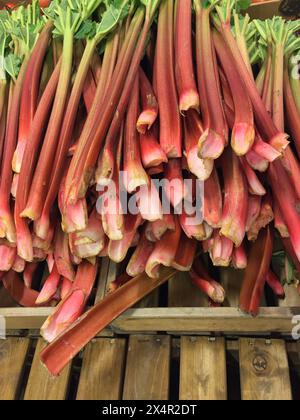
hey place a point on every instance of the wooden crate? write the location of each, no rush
(180, 308)
(177, 308)
(155, 367)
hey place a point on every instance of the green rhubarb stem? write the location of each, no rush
(278, 107)
(40, 183)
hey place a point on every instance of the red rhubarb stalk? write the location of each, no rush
(164, 252)
(279, 222)
(138, 261)
(149, 104)
(215, 136)
(175, 188)
(41, 179)
(206, 284)
(17, 290)
(275, 285)
(254, 184)
(62, 255)
(72, 307)
(292, 114)
(221, 251)
(105, 168)
(50, 287)
(185, 253)
(186, 84)
(170, 125)
(117, 89)
(264, 218)
(7, 225)
(119, 282)
(151, 152)
(134, 173)
(213, 202)
(201, 168)
(239, 258)
(117, 250)
(236, 199)
(243, 134)
(262, 117)
(24, 240)
(29, 273)
(256, 273)
(30, 93)
(57, 355)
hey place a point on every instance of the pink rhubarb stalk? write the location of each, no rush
(254, 184)
(239, 258)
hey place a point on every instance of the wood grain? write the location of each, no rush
(101, 375)
(203, 369)
(264, 370)
(183, 294)
(13, 353)
(41, 385)
(203, 320)
(148, 368)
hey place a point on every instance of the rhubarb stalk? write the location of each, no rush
(186, 85)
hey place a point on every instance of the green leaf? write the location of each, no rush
(87, 30)
(12, 65)
(243, 4)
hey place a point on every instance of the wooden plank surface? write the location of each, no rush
(101, 376)
(202, 320)
(264, 370)
(147, 368)
(232, 281)
(203, 369)
(292, 298)
(13, 353)
(183, 294)
(41, 386)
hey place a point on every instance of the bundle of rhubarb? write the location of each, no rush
(157, 133)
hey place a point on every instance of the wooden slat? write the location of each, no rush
(13, 352)
(203, 369)
(202, 320)
(232, 281)
(41, 386)
(292, 298)
(148, 368)
(108, 273)
(264, 370)
(183, 294)
(101, 375)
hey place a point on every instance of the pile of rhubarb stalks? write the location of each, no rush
(157, 89)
